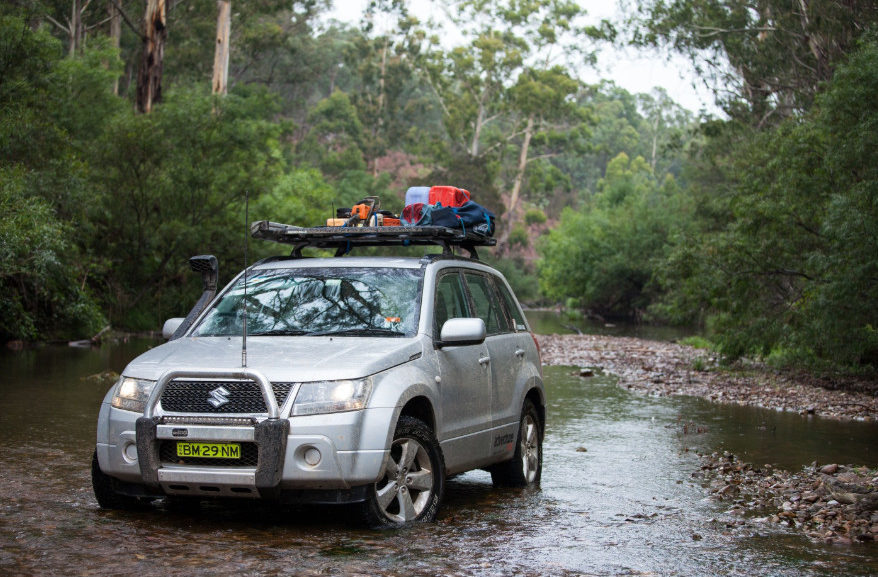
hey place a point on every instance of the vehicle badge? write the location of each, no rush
(219, 397)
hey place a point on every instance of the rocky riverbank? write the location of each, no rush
(662, 368)
(830, 503)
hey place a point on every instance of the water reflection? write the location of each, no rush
(783, 439)
(617, 497)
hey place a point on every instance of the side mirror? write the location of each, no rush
(462, 332)
(171, 326)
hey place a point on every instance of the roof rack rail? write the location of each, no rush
(343, 238)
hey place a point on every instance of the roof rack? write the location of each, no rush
(343, 238)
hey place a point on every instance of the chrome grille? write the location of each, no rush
(243, 396)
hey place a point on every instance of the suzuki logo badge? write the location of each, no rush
(219, 397)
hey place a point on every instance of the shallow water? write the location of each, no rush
(617, 498)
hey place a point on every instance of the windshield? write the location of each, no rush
(329, 301)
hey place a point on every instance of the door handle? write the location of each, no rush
(519, 353)
(484, 360)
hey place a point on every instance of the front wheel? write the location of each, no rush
(411, 485)
(526, 466)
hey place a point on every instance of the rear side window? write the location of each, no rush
(450, 300)
(511, 307)
(487, 303)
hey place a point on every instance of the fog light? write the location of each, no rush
(131, 452)
(312, 456)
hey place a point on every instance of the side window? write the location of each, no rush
(511, 307)
(487, 304)
(450, 300)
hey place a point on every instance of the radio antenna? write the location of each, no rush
(246, 264)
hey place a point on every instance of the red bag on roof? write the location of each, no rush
(448, 195)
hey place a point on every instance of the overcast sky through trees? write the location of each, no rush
(634, 70)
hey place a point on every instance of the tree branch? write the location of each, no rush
(101, 23)
(127, 20)
(543, 156)
(720, 31)
(58, 24)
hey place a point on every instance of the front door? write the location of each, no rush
(465, 387)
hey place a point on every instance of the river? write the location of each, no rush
(618, 496)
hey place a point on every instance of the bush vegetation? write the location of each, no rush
(759, 226)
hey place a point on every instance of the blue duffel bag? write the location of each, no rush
(470, 216)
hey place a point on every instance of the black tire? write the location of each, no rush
(411, 485)
(105, 491)
(525, 468)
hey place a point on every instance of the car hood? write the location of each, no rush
(280, 359)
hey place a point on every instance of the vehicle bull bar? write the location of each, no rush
(270, 435)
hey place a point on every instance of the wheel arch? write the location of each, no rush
(536, 395)
(420, 408)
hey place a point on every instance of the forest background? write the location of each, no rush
(120, 158)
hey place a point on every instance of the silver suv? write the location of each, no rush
(362, 380)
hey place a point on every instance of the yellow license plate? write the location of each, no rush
(209, 450)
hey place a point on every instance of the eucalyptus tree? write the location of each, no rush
(793, 274)
(509, 93)
(385, 57)
(765, 59)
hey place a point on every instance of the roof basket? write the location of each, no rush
(343, 239)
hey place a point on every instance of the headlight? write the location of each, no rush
(132, 394)
(331, 396)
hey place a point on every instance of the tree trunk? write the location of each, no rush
(382, 82)
(510, 216)
(115, 17)
(223, 49)
(480, 122)
(75, 27)
(149, 78)
(655, 128)
(115, 33)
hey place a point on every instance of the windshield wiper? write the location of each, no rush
(281, 333)
(359, 332)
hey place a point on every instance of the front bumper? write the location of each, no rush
(330, 452)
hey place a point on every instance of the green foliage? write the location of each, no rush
(766, 60)
(697, 342)
(605, 253)
(519, 236)
(521, 278)
(46, 123)
(40, 294)
(534, 216)
(790, 275)
(763, 226)
(172, 185)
